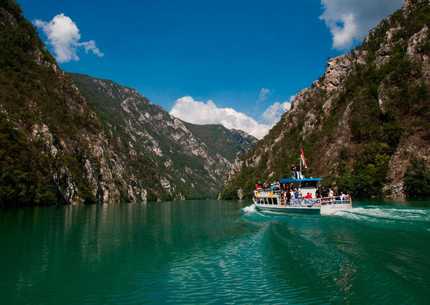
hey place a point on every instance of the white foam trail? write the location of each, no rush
(249, 209)
(394, 214)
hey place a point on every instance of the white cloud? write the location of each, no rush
(273, 113)
(90, 46)
(198, 112)
(263, 94)
(351, 20)
(64, 37)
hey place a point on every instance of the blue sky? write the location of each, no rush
(224, 51)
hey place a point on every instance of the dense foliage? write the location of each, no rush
(417, 180)
(401, 83)
(24, 177)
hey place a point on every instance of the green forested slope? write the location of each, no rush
(99, 143)
(364, 122)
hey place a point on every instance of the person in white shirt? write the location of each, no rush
(343, 196)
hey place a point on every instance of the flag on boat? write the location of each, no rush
(302, 158)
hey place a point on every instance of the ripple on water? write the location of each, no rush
(236, 272)
(214, 253)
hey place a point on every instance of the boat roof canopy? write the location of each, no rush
(294, 180)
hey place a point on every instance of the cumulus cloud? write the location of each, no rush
(263, 94)
(64, 36)
(351, 20)
(199, 112)
(274, 112)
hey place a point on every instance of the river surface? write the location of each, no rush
(211, 252)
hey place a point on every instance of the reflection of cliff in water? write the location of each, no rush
(59, 240)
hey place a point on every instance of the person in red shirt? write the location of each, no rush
(308, 196)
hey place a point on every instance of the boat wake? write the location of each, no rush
(251, 213)
(250, 209)
(386, 213)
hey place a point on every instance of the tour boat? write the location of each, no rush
(299, 195)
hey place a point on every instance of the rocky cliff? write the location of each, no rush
(178, 159)
(60, 144)
(364, 121)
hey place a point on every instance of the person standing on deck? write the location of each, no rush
(293, 171)
(288, 194)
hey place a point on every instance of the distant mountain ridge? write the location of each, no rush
(69, 139)
(192, 160)
(365, 124)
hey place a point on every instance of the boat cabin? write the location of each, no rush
(304, 186)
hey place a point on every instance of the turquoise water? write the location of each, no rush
(210, 252)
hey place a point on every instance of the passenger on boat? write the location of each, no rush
(308, 196)
(276, 186)
(343, 196)
(324, 192)
(293, 171)
(288, 196)
(283, 198)
(330, 193)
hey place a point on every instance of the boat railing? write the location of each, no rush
(342, 199)
(346, 199)
(266, 193)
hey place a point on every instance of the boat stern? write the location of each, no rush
(332, 209)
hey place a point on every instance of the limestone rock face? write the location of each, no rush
(164, 156)
(363, 121)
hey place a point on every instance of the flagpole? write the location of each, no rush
(300, 162)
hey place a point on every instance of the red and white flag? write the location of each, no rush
(302, 158)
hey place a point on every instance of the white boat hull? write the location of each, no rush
(288, 209)
(324, 209)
